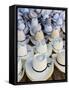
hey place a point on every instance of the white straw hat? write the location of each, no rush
(60, 61)
(19, 65)
(39, 62)
(57, 45)
(22, 50)
(20, 75)
(34, 29)
(39, 74)
(21, 35)
(49, 49)
(20, 72)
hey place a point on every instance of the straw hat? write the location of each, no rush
(55, 33)
(21, 25)
(20, 69)
(32, 14)
(22, 50)
(20, 75)
(49, 49)
(60, 61)
(19, 65)
(39, 69)
(39, 36)
(35, 28)
(57, 45)
(21, 35)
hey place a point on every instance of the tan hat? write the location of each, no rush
(55, 33)
(39, 36)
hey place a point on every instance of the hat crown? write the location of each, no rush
(58, 44)
(39, 62)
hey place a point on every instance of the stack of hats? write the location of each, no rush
(45, 31)
(22, 53)
(57, 41)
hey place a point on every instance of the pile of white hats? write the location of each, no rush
(40, 32)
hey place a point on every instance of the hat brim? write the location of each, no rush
(61, 68)
(39, 76)
(20, 76)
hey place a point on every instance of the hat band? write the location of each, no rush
(60, 64)
(39, 71)
(55, 49)
(48, 65)
(22, 40)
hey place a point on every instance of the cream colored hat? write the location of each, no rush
(57, 45)
(20, 75)
(55, 33)
(60, 61)
(19, 65)
(39, 70)
(22, 50)
(39, 62)
(21, 35)
(49, 49)
(20, 69)
(39, 36)
(35, 29)
(41, 48)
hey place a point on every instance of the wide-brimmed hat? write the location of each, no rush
(20, 75)
(60, 61)
(57, 45)
(20, 69)
(21, 35)
(22, 50)
(38, 74)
